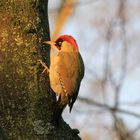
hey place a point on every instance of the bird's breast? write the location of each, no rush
(63, 72)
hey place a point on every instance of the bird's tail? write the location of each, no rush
(59, 107)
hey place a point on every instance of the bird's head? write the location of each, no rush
(64, 43)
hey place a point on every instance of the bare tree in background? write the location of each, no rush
(119, 127)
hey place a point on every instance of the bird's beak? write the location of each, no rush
(51, 43)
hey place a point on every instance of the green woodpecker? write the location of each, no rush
(65, 73)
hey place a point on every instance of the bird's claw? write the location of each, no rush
(44, 65)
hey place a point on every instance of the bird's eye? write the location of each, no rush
(58, 43)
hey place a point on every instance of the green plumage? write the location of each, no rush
(81, 71)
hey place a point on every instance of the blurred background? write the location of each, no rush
(108, 35)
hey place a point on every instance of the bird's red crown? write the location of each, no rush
(69, 39)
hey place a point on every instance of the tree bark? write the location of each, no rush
(26, 100)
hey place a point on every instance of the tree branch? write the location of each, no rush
(107, 107)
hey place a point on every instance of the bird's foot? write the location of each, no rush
(44, 65)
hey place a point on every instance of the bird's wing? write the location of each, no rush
(81, 71)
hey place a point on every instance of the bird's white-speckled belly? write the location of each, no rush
(63, 72)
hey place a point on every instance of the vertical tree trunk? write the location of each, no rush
(26, 101)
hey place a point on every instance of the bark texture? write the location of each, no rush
(26, 101)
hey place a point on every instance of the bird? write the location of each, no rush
(66, 72)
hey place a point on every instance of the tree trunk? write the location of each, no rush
(26, 101)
